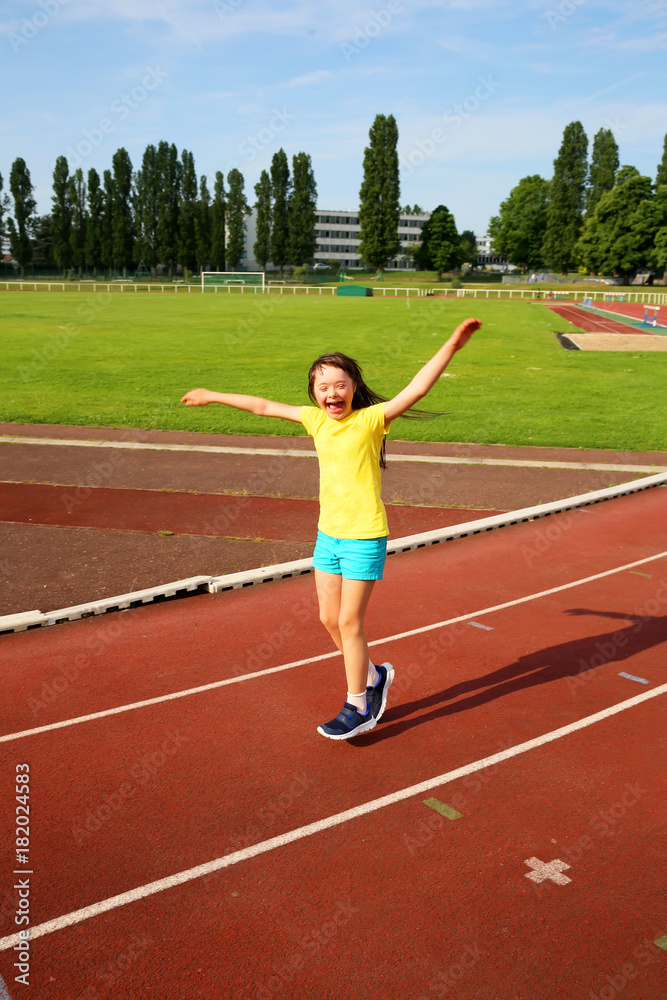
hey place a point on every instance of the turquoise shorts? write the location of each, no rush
(351, 558)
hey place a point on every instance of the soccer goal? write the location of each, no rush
(229, 281)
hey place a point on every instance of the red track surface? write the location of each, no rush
(384, 905)
(591, 322)
(195, 513)
(634, 309)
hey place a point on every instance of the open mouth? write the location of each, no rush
(336, 407)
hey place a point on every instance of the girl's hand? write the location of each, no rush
(464, 332)
(198, 397)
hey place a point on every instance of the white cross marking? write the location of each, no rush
(551, 870)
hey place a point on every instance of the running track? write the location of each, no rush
(336, 880)
(635, 310)
(591, 322)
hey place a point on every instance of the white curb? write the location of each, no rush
(125, 600)
(22, 621)
(280, 571)
(18, 623)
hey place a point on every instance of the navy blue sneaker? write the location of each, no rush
(377, 696)
(348, 723)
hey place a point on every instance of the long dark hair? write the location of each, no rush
(363, 394)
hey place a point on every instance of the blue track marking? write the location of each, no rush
(4, 992)
(487, 628)
(631, 677)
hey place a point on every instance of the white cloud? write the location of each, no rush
(469, 48)
(606, 90)
(649, 44)
(525, 135)
(308, 79)
(218, 95)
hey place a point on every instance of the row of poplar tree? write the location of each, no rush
(160, 214)
(598, 218)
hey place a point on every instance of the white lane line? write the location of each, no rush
(9, 737)
(303, 453)
(227, 860)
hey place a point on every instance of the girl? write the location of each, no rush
(349, 425)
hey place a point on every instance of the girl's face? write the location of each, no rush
(334, 390)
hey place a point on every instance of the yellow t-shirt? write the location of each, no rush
(349, 454)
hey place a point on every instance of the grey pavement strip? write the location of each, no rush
(300, 453)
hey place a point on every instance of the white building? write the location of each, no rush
(337, 235)
(487, 258)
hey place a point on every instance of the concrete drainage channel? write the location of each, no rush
(266, 574)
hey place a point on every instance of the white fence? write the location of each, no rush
(646, 298)
(105, 286)
(659, 298)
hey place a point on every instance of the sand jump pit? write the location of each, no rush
(617, 341)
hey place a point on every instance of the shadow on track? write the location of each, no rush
(576, 662)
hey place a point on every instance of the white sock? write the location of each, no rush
(359, 702)
(373, 675)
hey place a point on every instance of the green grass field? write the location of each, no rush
(125, 361)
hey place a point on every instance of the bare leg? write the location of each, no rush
(355, 595)
(328, 587)
(343, 605)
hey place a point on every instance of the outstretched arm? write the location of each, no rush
(254, 404)
(427, 376)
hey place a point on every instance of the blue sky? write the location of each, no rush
(481, 89)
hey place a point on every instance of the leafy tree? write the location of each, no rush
(469, 247)
(661, 177)
(619, 236)
(440, 249)
(106, 236)
(412, 250)
(660, 252)
(414, 210)
(146, 208)
(122, 223)
(95, 212)
(604, 164)
(517, 233)
(566, 199)
(218, 223)
(237, 209)
(77, 235)
(20, 227)
(280, 192)
(654, 214)
(187, 212)
(379, 209)
(4, 208)
(203, 225)
(61, 214)
(261, 248)
(302, 242)
(42, 241)
(168, 197)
